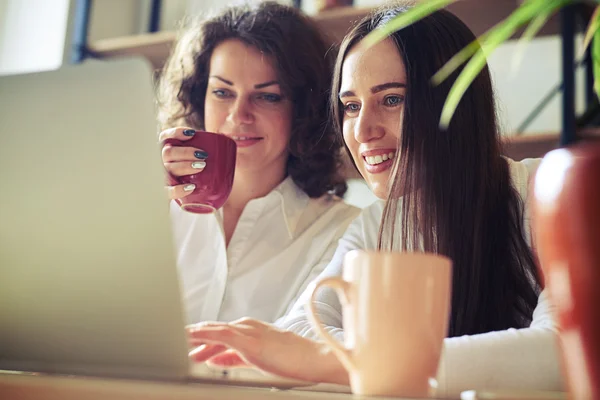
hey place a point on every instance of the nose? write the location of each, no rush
(368, 127)
(240, 112)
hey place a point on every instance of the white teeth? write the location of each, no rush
(243, 138)
(374, 160)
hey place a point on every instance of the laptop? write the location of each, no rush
(88, 280)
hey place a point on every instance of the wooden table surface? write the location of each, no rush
(15, 386)
(47, 387)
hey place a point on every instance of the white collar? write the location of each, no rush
(293, 203)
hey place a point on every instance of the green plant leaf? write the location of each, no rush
(591, 30)
(457, 60)
(495, 37)
(414, 14)
(533, 28)
(462, 56)
(596, 62)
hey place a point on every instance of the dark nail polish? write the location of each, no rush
(189, 132)
(201, 154)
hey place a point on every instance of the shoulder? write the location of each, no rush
(522, 172)
(303, 214)
(329, 202)
(369, 216)
(545, 312)
(325, 213)
(373, 212)
(364, 229)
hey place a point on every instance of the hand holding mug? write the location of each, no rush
(198, 184)
(180, 160)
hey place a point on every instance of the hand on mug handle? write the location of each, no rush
(180, 160)
(341, 287)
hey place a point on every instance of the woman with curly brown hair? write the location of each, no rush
(259, 74)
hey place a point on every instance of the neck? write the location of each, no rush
(249, 185)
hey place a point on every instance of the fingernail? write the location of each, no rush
(196, 350)
(189, 132)
(198, 164)
(201, 154)
(189, 188)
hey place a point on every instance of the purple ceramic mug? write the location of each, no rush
(214, 182)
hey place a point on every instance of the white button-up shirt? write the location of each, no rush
(280, 244)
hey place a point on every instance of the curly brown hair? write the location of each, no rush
(304, 65)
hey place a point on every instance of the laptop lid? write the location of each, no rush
(88, 282)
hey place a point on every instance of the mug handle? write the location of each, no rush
(341, 287)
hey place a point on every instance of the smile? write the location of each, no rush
(242, 138)
(245, 141)
(378, 159)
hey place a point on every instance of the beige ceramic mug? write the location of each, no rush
(395, 312)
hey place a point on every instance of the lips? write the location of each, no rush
(245, 140)
(378, 160)
(242, 138)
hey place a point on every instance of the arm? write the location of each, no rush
(512, 359)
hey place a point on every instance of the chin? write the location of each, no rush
(378, 189)
(380, 195)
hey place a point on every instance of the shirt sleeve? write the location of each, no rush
(515, 359)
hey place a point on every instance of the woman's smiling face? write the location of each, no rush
(372, 92)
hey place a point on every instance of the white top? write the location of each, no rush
(281, 243)
(513, 359)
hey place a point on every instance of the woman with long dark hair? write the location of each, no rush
(448, 192)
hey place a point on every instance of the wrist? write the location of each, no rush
(332, 370)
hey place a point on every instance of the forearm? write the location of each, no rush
(512, 359)
(331, 370)
(299, 323)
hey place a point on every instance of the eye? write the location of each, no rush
(351, 108)
(221, 93)
(270, 97)
(393, 100)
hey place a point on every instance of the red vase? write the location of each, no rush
(566, 223)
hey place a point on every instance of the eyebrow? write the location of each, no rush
(257, 86)
(264, 85)
(376, 89)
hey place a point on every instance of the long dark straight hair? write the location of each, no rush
(451, 191)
